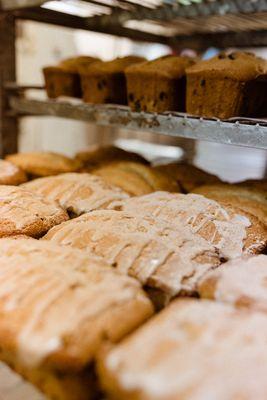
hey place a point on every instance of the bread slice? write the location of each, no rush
(25, 213)
(231, 230)
(160, 255)
(57, 306)
(76, 193)
(192, 350)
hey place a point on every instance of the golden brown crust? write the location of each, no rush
(187, 175)
(241, 282)
(97, 156)
(77, 193)
(58, 305)
(11, 174)
(249, 198)
(25, 213)
(44, 164)
(160, 255)
(230, 229)
(158, 85)
(227, 86)
(137, 179)
(182, 353)
(105, 82)
(64, 79)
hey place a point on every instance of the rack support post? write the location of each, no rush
(8, 123)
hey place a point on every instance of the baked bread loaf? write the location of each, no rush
(249, 199)
(57, 307)
(260, 184)
(241, 282)
(158, 85)
(161, 256)
(136, 179)
(76, 193)
(192, 350)
(228, 86)
(11, 174)
(105, 82)
(44, 163)
(64, 79)
(97, 156)
(232, 230)
(188, 176)
(25, 213)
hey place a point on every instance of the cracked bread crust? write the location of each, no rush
(161, 256)
(25, 213)
(57, 305)
(190, 350)
(77, 193)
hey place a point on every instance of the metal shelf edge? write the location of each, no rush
(238, 134)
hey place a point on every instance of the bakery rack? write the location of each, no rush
(196, 24)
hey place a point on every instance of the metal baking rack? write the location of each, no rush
(196, 24)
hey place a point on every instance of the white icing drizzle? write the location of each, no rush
(205, 217)
(77, 192)
(194, 350)
(48, 293)
(147, 248)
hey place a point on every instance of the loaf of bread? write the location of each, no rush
(105, 82)
(227, 86)
(232, 230)
(11, 174)
(57, 307)
(241, 283)
(76, 193)
(37, 164)
(136, 179)
(192, 350)
(159, 85)
(64, 79)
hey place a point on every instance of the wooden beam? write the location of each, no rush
(101, 24)
(15, 4)
(8, 125)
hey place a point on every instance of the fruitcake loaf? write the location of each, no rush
(192, 350)
(37, 164)
(228, 85)
(158, 85)
(105, 82)
(57, 307)
(76, 193)
(64, 79)
(240, 282)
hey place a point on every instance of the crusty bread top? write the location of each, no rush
(24, 212)
(11, 174)
(193, 350)
(171, 67)
(57, 304)
(241, 282)
(230, 229)
(116, 66)
(71, 65)
(44, 163)
(76, 193)
(240, 66)
(158, 254)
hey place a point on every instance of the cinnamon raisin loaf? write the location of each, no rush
(158, 85)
